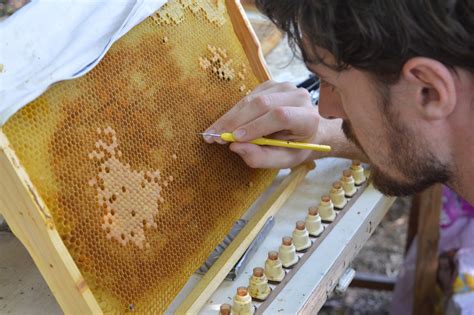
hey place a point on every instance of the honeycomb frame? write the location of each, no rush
(43, 236)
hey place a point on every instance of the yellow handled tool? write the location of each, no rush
(229, 137)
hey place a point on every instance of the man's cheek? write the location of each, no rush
(347, 129)
(350, 135)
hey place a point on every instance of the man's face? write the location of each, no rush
(419, 167)
(402, 161)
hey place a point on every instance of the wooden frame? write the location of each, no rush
(247, 37)
(308, 289)
(30, 219)
(309, 252)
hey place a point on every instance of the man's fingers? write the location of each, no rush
(263, 86)
(272, 86)
(253, 107)
(287, 135)
(277, 109)
(267, 157)
(232, 113)
(299, 121)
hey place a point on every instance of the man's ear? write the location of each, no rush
(434, 84)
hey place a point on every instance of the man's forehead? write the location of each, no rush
(315, 52)
(318, 59)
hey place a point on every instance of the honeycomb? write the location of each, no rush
(138, 199)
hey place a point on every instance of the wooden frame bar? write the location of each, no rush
(31, 222)
(429, 203)
(308, 289)
(247, 37)
(373, 281)
(309, 252)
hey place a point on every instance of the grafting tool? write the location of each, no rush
(229, 137)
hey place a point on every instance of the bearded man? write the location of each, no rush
(397, 90)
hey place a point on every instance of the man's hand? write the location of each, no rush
(276, 110)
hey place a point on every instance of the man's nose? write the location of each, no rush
(330, 104)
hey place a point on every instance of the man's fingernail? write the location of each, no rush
(220, 141)
(208, 139)
(239, 133)
(240, 152)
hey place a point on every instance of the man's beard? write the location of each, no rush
(410, 156)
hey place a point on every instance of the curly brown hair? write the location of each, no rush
(378, 36)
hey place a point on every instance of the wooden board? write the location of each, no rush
(429, 203)
(318, 241)
(244, 31)
(353, 231)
